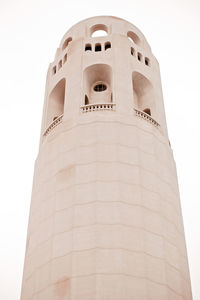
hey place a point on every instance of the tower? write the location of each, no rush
(105, 218)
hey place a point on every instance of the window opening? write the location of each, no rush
(88, 47)
(147, 111)
(66, 43)
(98, 30)
(99, 33)
(139, 56)
(56, 102)
(133, 37)
(98, 83)
(54, 70)
(86, 100)
(132, 51)
(146, 61)
(97, 47)
(65, 58)
(107, 45)
(100, 87)
(143, 93)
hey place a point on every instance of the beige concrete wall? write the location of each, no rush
(105, 218)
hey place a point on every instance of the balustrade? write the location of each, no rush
(98, 106)
(57, 121)
(146, 117)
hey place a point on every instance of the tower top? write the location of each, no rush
(111, 25)
(104, 64)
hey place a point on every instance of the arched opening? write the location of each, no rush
(54, 70)
(98, 84)
(133, 37)
(88, 47)
(66, 43)
(132, 51)
(99, 30)
(147, 62)
(97, 47)
(86, 100)
(147, 111)
(107, 45)
(139, 56)
(56, 102)
(99, 33)
(60, 64)
(143, 93)
(65, 58)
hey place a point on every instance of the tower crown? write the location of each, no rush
(113, 72)
(110, 25)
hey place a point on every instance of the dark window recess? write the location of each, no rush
(54, 70)
(100, 87)
(86, 100)
(147, 111)
(139, 56)
(107, 45)
(65, 58)
(97, 47)
(88, 47)
(146, 61)
(132, 51)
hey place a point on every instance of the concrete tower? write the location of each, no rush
(105, 218)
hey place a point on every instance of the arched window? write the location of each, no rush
(98, 84)
(98, 30)
(65, 58)
(97, 47)
(66, 43)
(143, 93)
(133, 37)
(86, 100)
(107, 45)
(88, 47)
(132, 51)
(139, 56)
(147, 61)
(56, 102)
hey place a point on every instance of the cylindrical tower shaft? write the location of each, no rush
(105, 218)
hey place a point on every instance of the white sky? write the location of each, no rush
(30, 32)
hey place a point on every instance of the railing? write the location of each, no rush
(57, 121)
(146, 117)
(98, 106)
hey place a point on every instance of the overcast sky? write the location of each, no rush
(30, 32)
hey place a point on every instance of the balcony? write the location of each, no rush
(146, 117)
(57, 121)
(98, 107)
